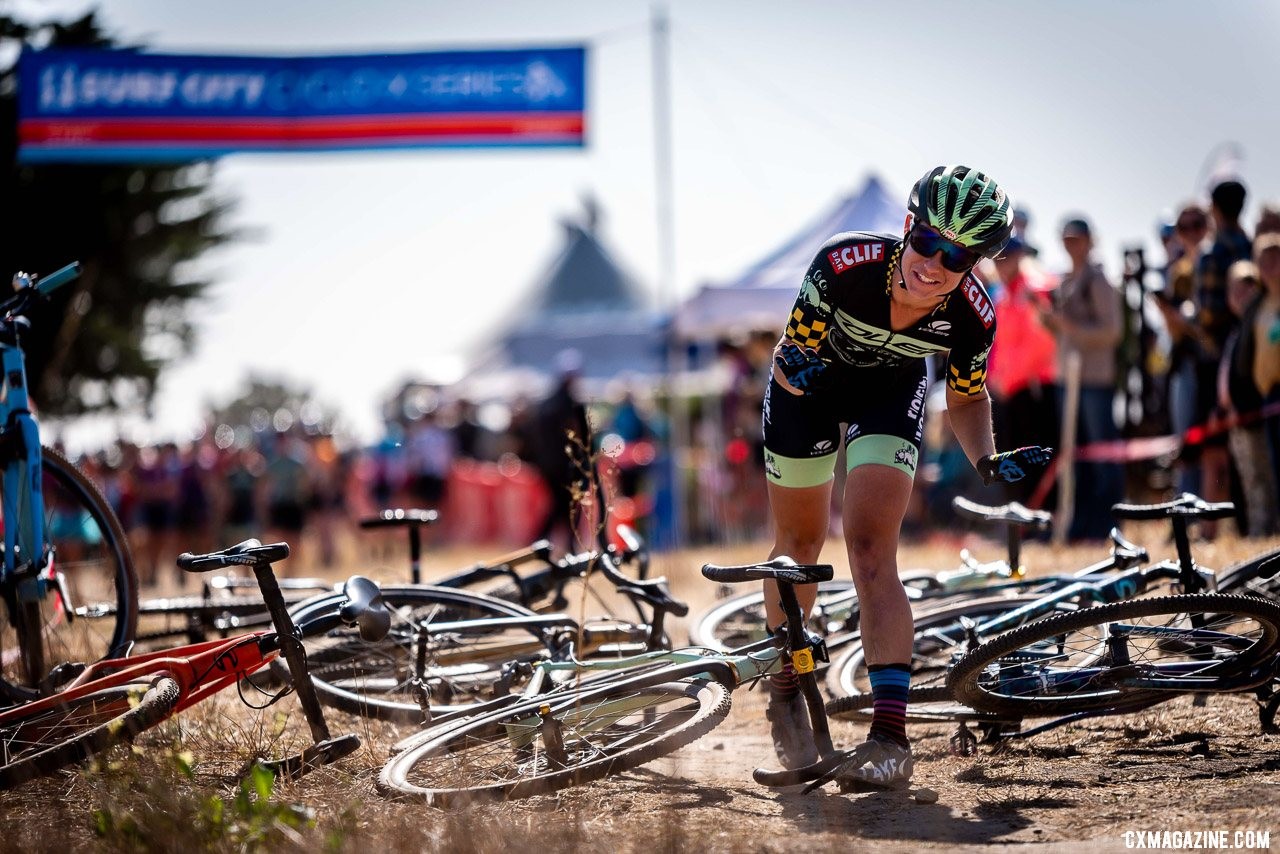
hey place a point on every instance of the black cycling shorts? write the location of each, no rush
(884, 411)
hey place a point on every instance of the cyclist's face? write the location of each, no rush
(925, 279)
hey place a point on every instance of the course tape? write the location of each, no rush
(1150, 447)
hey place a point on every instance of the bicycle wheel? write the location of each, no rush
(91, 564)
(536, 749)
(1120, 653)
(1242, 578)
(164, 622)
(378, 679)
(41, 742)
(939, 636)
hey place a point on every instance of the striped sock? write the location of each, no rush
(889, 683)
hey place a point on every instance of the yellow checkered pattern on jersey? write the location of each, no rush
(807, 332)
(974, 384)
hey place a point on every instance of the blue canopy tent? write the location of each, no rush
(760, 297)
(585, 303)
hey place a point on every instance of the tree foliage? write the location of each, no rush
(103, 341)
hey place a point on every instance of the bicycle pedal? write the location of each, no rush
(320, 753)
(963, 742)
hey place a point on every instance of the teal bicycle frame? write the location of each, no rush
(26, 551)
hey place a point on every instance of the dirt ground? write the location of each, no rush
(1185, 766)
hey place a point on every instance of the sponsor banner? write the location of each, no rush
(77, 105)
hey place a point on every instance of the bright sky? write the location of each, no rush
(371, 268)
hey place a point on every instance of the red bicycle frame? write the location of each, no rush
(199, 669)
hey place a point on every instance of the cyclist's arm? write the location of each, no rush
(971, 422)
(968, 404)
(810, 319)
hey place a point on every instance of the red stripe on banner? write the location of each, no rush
(37, 131)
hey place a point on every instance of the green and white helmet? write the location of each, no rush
(965, 206)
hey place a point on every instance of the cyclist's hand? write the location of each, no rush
(1013, 466)
(804, 369)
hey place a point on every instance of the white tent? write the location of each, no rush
(761, 296)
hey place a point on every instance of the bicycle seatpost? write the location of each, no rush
(801, 652)
(293, 651)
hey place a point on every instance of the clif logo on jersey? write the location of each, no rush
(851, 256)
(981, 302)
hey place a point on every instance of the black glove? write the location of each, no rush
(1013, 466)
(802, 367)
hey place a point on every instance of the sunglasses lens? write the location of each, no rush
(956, 258)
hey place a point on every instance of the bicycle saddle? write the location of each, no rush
(401, 518)
(781, 568)
(1186, 506)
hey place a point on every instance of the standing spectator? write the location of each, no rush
(1265, 324)
(429, 456)
(561, 448)
(157, 477)
(1177, 304)
(288, 489)
(1268, 220)
(328, 497)
(1230, 244)
(1022, 366)
(468, 436)
(1086, 320)
(193, 518)
(1238, 396)
(240, 517)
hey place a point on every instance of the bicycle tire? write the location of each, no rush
(90, 724)
(372, 679)
(91, 554)
(437, 772)
(1242, 578)
(1036, 693)
(930, 657)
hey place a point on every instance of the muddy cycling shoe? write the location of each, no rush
(876, 764)
(791, 730)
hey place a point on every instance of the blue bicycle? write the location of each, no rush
(63, 545)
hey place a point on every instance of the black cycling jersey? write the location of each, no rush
(843, 312)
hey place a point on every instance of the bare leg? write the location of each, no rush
(875, 500)
(801, 518)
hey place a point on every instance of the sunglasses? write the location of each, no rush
(928, 241)
(1192, 224)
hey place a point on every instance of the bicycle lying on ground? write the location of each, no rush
(62, 543)
(738, 620)
(1133, 652)
(448, 649)
(1069, 662)
(112, 701)
(564, 730)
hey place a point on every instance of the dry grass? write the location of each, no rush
(179, 788)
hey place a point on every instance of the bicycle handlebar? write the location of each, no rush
(1185, 506)
(1013, 513)
(48, 284)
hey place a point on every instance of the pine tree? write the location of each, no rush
(102, 342)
